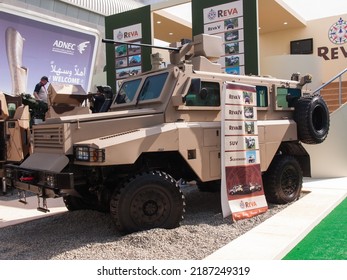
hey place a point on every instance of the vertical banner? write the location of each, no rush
(128, 57)
(242, 192)
(124, 60)
(237, 24)
(226, 21)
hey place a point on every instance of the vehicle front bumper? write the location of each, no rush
(48, 184)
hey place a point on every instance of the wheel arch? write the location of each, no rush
(170, 162)
(296, 150)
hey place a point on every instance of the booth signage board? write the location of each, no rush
(242, 192)
(36, 45)
(128, 57)
(236, 23)
(123, 60)
(228, 25)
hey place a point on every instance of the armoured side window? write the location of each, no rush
(262, 96)
(209, 95)
(286, 94)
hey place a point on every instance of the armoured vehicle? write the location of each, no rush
(14, 133)
(164, 125)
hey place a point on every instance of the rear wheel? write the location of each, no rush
(283, 180)
(148, 200)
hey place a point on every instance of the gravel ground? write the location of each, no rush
(81, 235)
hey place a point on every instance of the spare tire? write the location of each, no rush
(312, 118)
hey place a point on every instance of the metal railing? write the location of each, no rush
(338, 76)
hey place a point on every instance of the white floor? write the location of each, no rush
(278, 235)
(13, 212)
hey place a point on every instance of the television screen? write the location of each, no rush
(304, 46)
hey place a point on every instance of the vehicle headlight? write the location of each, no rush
(85, 153)
(8, 173)
(50, 180)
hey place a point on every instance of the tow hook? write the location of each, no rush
(22, 197)
(4, 189)
(44, 207)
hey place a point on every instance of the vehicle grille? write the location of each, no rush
(48, 138)
(2, 141)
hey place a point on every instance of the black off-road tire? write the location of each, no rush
(148, 200)
(283, 180)
(74, 203)
(312, 118)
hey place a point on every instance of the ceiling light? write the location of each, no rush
(285, 23)
(159, 22)
(170, 33)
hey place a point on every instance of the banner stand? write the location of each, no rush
(242, 192)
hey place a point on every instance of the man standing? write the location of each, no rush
(40, 91)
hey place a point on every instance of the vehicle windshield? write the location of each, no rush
(151, 89)
(127, 91)
(153, 86)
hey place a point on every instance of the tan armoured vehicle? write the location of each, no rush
(14, 133)
(164, 125)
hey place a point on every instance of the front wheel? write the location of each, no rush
(74, 203)
(283, 180)
(148, 200)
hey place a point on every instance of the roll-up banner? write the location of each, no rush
(242, 194)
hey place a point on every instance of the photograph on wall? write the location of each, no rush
(121, 62)
(133, 50)
(231, 36)
(134, 60)
(231, 23)
(122, 73)
(232, 70)
(232, 60)
(250, 128)
(121, 50)
(232, 48)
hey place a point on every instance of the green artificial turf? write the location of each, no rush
(327, 241)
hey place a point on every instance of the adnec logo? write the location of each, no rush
(68, 47)
(82, 47)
